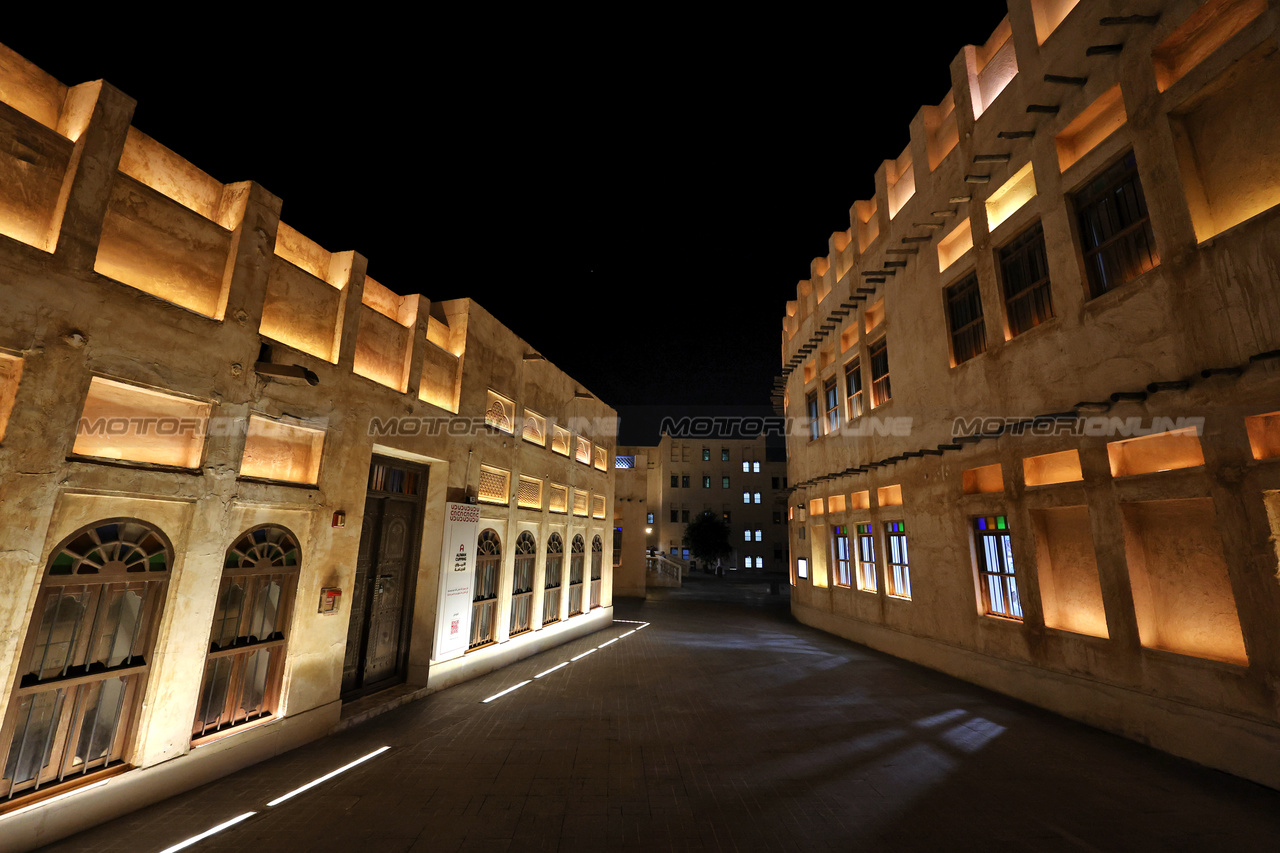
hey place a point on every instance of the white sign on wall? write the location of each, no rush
(457, 573)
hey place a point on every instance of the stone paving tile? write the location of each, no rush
(724, 726)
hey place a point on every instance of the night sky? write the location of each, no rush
(637, 201)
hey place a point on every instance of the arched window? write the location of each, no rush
(552, 575)
(576, 557)
(597, 559)
(522, 584)
(484, 598)
(247, 643)
(83, 668)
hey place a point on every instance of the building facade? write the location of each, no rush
(740, 480)
(1036, 383)
(230, 465)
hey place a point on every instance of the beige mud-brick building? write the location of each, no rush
(1038, 380)
(227, 460)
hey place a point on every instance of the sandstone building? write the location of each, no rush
(234, 471)
(1038, 380)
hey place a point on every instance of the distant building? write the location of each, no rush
(1035, 382)
(247, 488)
(741, 480)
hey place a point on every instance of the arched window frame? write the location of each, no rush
(484, 594)
(577, 559)
(244, 668)
(522, 584)
(553, 577)
(55, 733)
(597, 563)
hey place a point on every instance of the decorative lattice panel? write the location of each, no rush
(602, 458)
(584, 451)
(535, 429)
(559, 498)
(597, 506)
(579, 503)
(498, 413)
(529, 493)
(495, 485)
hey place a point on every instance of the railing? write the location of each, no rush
(663, 571)
(482, 613)
(551, 605)
(595, 593)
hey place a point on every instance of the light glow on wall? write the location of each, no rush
(277, 450)
(136, 424)
(1147, 454)
(953, 246)
(10, 377)
(1094, 124)
(1011, 196)
(1052, 468)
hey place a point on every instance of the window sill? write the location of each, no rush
(134, 465)
(210, 739)
(42, 797)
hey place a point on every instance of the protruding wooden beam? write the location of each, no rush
(991, 158)
(1068, 81)
(1047, 109)
(1103, 50)
(1015, 134)
(1121, 20)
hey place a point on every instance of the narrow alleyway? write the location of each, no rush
(721, 725)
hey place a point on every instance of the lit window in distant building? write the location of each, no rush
(724, 454)
(802, 567)
(746, 467)
(759, 534)
(755, 497)
(706, 454)
(706, 481)
(755, 467)
(746, 535)
(684, 481)
(746, 497)
(724, 482)
(648, 519)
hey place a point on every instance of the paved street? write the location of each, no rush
(723, 725)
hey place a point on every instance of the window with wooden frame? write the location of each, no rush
(996, 577)
(868, 580)
(560, 439)
(484, 597)
(82, 671)
(844, 559)
(552, 577)
(577, 560)
(522, 584)
(899, 574)
(1024, 275)
(499, 412)
(245, 664)
(881, 393)
(853, 387)
(831, 397)
(597, 567)
(964, 316)
(811, 409)
(1114, 225)
(535, 428)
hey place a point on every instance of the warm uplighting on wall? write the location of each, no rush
(1147, 454)
(1047, 14)
(816, 507)
(860, 500)
(384, 339)
(941, 129)
(836, 503)
(868, 224)
(873, 316)
(1052, 468)
(901, 178)
(1094, 123)
(1207, 29)
(278, 450)
(1009, 198)
(136, 424)
(991, 67)
(10, 377)
(1068, 570)
(1264, 434)
(984, 480)
(889, 495)
(953, 246)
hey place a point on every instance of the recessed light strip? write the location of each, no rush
(326, 777)
(182, 845)
(508, 690)
(553, 669)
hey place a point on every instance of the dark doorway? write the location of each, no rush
(386, 574)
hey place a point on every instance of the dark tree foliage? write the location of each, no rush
(707, 537)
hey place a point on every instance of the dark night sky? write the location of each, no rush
(637, 202)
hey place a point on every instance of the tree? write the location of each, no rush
(707, 537)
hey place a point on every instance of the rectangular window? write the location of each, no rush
(773, 482)
(755, 467)
(1024, 273)
(706, 454)
(832, 399)
(727, 516)
(755, 497)
(724, 454)
(867, 578)
(675, 481)
(802, 567)
(854, 387)
(899, 574)
(880, 390)
(964, 314)
(746, 536)
(759, 534)
(747, 562)
(706, 481)
(648, 519)
(811, 407)
(746, 467)
(777, 517)
(724, 482)
(746, 497)
(995, 567)
(684, 481)
(684, 516)
(1115, 227)
(675, 516)
(840, 540)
